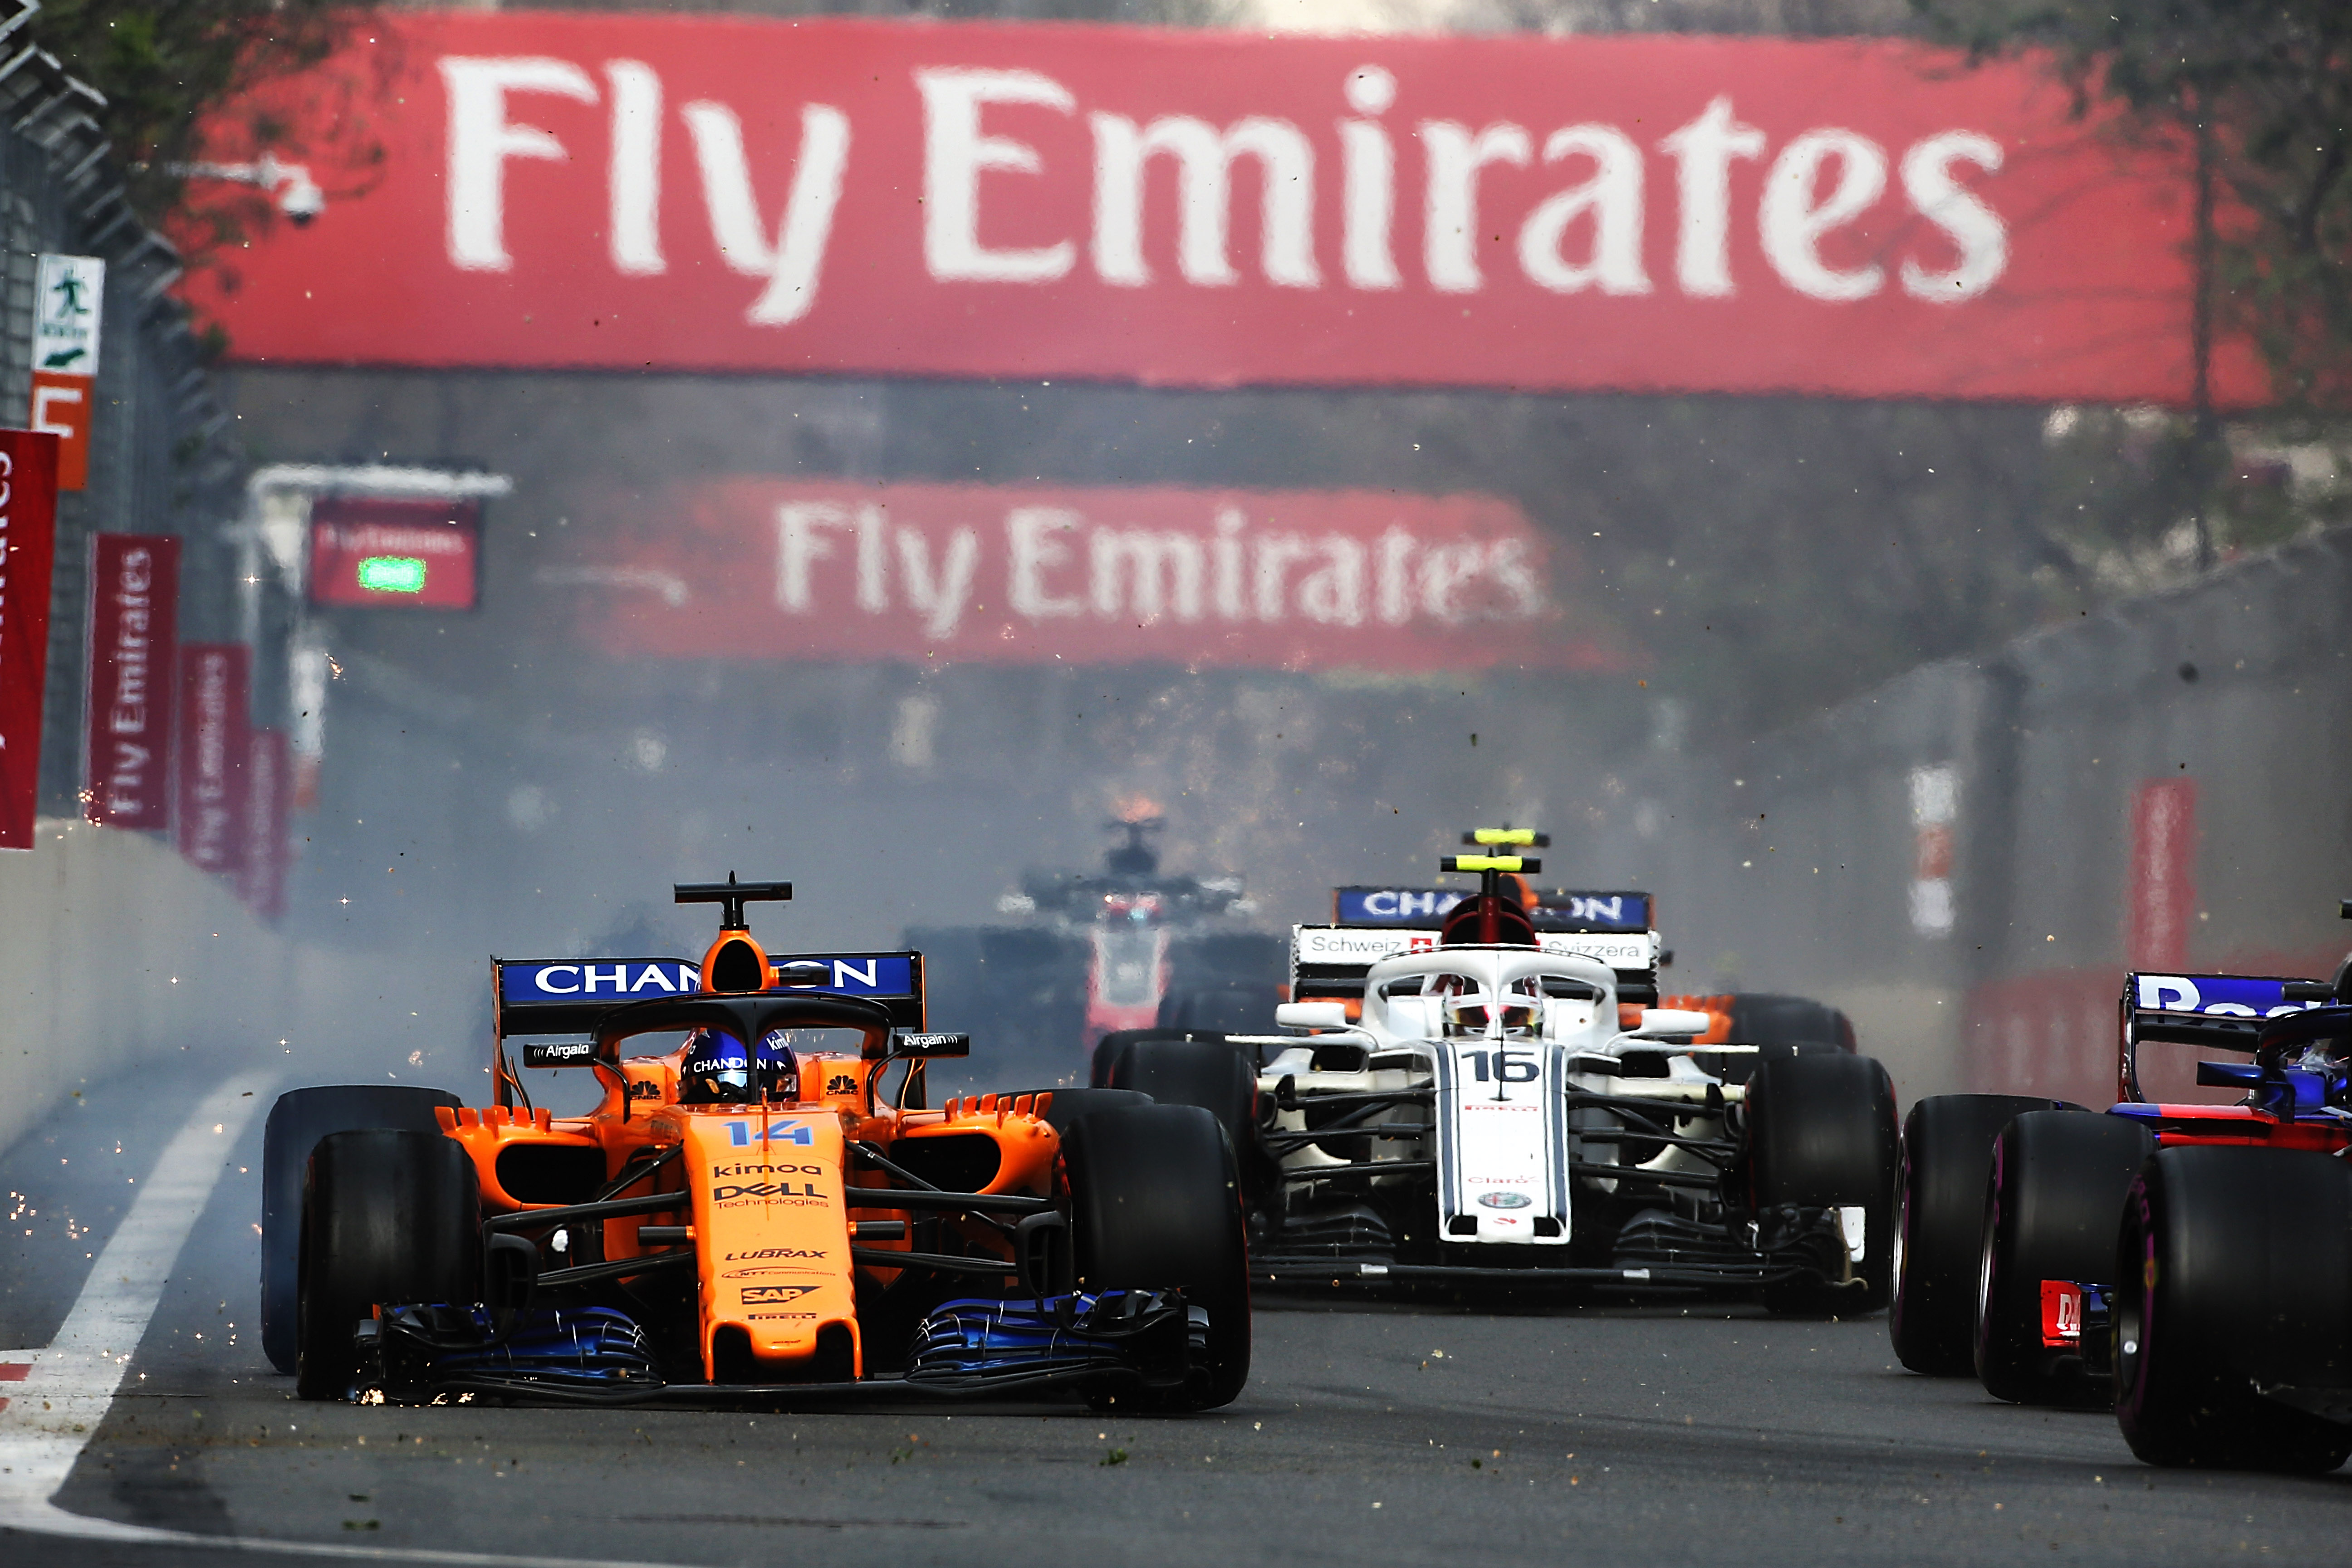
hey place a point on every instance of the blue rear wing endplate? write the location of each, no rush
(568, 995)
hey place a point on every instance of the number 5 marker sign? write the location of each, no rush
(70, 297)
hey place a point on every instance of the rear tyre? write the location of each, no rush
(300, 1118)
(387, 1217)
(1069, 1105)
(1822, 1135)
(1208, 1073)
(2053, 1197)
(1155, 1205)
(1112, 1049)
(1940, 1227)
(2234, 1268)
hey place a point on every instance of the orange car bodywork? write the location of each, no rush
(764, 1188)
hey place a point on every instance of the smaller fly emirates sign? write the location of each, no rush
(943, 573)
(1209, 209)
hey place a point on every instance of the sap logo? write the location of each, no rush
(766, 1270)
(764, 1190)
(773, 1295)
(615, 979)
(841, 1083)
(743, 1134)
(772, 1252)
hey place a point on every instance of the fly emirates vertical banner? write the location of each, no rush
(1859, 219)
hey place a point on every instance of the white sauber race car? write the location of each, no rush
(1485, 1103)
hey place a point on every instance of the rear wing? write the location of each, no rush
(1425, 908)
(2220, 1012)
(569, 995)
(1329, 961)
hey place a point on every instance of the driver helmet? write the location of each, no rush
(718, 1071)
(2325, 1056)
(1470, 1008)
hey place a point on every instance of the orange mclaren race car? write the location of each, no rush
(761, 1209)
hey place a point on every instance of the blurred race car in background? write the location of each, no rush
(2191, 1261)
(760, 1208)
(1493, 1101)
(1128, 947)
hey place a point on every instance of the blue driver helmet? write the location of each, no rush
(717, 1070)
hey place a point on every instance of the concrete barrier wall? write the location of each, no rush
(2234, 695)
(115, 952)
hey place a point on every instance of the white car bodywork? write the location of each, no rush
(1508, 1149)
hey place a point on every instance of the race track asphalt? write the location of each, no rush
(1370, 1433)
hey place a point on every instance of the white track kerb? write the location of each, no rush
(55, 1412)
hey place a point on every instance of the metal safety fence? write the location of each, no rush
(161, 459)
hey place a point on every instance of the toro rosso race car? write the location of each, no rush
(760, 1208)
(1481, 1103)
(2193, 1261)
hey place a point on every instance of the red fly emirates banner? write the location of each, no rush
(134, 605)
(1206, 209)
(28, 529)
(940, 574)
(214, 743)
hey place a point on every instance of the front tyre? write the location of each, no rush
(297, 1121)
(1155, 1205)
(388, 1217)
(2234, 1271)
(1822, 1135)
(1940, 1224)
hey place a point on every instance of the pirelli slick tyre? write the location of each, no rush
(1940, 1200)
(1068, 1107)
(300, 1118)
(2053, 1197)
(1822, 1135)
(2233, 1309)
(387, 1217)
(1208, 1073)
(1111, 1051)
(1155, 1205)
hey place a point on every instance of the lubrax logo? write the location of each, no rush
(766, 1190)
(765, 1253)
(747, 1169)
